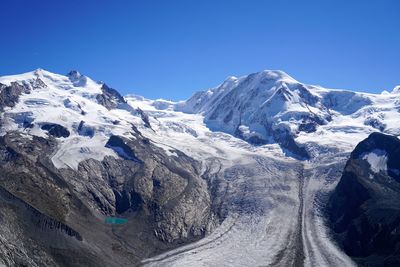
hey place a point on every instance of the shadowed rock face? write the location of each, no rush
(55, 130)
(364, 209)
(56, 217)
(9, 95)
(38, 210)
(287, 142)
(162, 186)
(145, 118)
(110, 98)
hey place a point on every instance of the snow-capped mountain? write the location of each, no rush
(203, 181)
(85, 109)
(271, 106)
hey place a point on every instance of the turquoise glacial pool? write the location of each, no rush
(115, 220)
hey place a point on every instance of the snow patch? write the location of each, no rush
(377, 159)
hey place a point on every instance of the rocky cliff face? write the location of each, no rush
(163, 198)
(9, 94)
(63, 216)
(365, 208)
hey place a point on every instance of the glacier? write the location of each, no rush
(270, 192)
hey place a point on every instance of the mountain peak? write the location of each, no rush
(277, 75)
(396, 90)
(40, 72)
(230, 79)
(74, 75)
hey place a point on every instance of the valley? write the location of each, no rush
(238, 175)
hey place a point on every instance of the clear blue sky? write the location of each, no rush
(171, 48)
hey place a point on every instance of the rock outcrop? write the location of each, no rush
(9, 95)
(55, 129)
(364, 209)
(164, 199)
(110, 98)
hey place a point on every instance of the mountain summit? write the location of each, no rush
(270, 106)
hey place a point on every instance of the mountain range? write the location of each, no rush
(261, 170)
